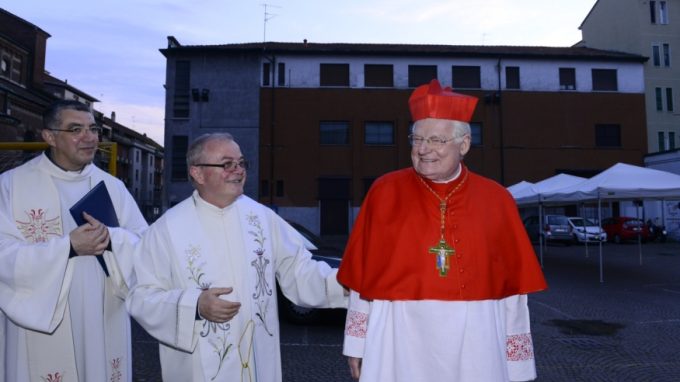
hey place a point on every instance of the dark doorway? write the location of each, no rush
(334, 196)
(334, 215)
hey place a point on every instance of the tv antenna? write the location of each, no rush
(267, 16)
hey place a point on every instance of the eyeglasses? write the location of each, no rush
(436, 142)
(79, 131)
(226, 166)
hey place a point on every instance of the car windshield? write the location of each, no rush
(634, 223)
(557, 220)
(579, 222)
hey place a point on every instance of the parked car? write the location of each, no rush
(657, 231)
(321, 251)
(624, 228)
(586, 230)
(555, 228)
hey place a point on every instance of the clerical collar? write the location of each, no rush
(48, 154)
(454, 177)
(206, 205)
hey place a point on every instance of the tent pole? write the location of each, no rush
(663, 214)
(540, 230)
(599, 218)
(637, 216)
(585, 230)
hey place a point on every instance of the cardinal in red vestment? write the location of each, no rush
(438, 263)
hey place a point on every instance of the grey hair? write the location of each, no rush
(195, 150)
(460, 129)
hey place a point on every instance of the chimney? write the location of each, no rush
(113, 116)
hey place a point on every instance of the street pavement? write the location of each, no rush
(623, 329)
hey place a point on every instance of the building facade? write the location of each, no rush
(320, 122)
(22, 71)
(139, 164)
(652, 29)
(26, 89)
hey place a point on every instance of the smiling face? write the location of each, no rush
(68, 150)
(438, 163)
(214, 184)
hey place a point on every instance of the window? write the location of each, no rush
(17, 66)
(12, 66)
(334, 133)
(181, 96)
(659, 94)
(512, 77)
(605, 79)
(4, 66)
(666, 55)
(656, 55)
(666, 144)
(334, 75)
(279, 188)
(266, 74)
(264, 188)
(663, 12)
(567, 79)
(421, 74)
(379, 133)
(476, 133)
(178, 172)
(282, 74)
(368, 182)
(671, 140)
(466, 77)
(136, 175)
(378, 76)
(608, 135)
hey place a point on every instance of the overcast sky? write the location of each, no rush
(109, 48)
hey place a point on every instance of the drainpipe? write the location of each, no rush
(272, 144)
(500, 123)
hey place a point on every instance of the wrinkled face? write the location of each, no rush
(69, 150)
(433, 162)
(216, 185)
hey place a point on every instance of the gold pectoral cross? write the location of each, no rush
(443, 251)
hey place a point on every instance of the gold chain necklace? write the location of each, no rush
(443, 250)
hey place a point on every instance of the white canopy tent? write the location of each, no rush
(619, 182)
(531, 194)
(519, 187)
(535, 194)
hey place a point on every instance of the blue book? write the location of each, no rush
(97, 202)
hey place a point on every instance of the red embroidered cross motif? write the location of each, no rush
(357, 324)
(38, 227)
(56, 377)
(519, 347)
(116, 375)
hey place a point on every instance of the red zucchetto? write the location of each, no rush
(431, 101)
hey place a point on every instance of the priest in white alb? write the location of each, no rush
(439, 264)
(207, 273)
(62, 286)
